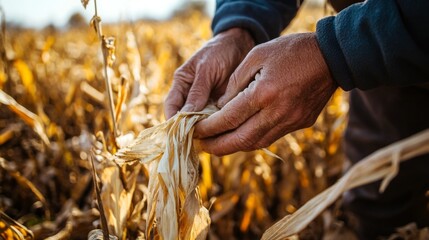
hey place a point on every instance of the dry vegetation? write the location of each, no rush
(45, 167)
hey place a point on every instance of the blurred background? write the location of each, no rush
(38, 14)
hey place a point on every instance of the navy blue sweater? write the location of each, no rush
(367, 45)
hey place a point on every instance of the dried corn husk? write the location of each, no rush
(383, 164)
(174, 205)
(97, 234)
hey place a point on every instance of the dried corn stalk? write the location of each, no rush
(383, 164)
(174, 206)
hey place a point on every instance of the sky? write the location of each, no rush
(39, 13)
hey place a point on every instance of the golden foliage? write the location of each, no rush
(244, 193)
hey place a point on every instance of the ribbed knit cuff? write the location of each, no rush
(334, 57)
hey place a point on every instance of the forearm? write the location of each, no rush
(377, 43)
(263, 19)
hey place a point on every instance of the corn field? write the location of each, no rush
(55, 131)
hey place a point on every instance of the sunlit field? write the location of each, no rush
(54, 108)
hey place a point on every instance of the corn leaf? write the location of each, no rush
(30, 118)
(11, 229)
(174, 204)
(382, 164)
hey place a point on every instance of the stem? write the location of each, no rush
(104, 225)
(107, 82)
(95, 5)
(110, 96)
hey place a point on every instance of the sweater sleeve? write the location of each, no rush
(264, 19)
(377, 43)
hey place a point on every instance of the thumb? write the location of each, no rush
(199, 93)
(239, 80)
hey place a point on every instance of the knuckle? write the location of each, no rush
(265, 93)
(271, 118)
(250, 96)
(243, 142)
(233, 80)
(256, 50)
(196, 91)
(230, 121)
(259, 50)
(178, 72)
(182, 74)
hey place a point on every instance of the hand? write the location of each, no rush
(206, 73)
(281, 86)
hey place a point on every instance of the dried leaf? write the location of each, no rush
(109, 50)
(379, 165)
(24, 182)
(3, 56)
(96, 24)
(26, 77)
(97, 234)
(95, 180)
(116, 199)
(134, 62)
(30, 118)
(174, 205)
(122, 95)
(223, 205)
(11, 229)
(64, 233)
(92, 92)
(250, 208)
(84, 3)
(9, 132)
(206, 183)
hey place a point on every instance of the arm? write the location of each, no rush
(263, 19)
(380, 42)
(377, 43)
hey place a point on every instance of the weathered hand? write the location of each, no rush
(280, 86)
(206, 73)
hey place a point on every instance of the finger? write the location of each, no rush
(175, 99)
(240, 78)
(199, 92)
(244, 138)
(231, 116)
(178, 93)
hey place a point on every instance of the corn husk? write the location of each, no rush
(174, 205)
(382, 164)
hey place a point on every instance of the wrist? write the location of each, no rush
(242, 35)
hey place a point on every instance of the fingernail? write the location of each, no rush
(188, 108)
(220, 102)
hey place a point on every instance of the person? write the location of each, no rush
(267, 86)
